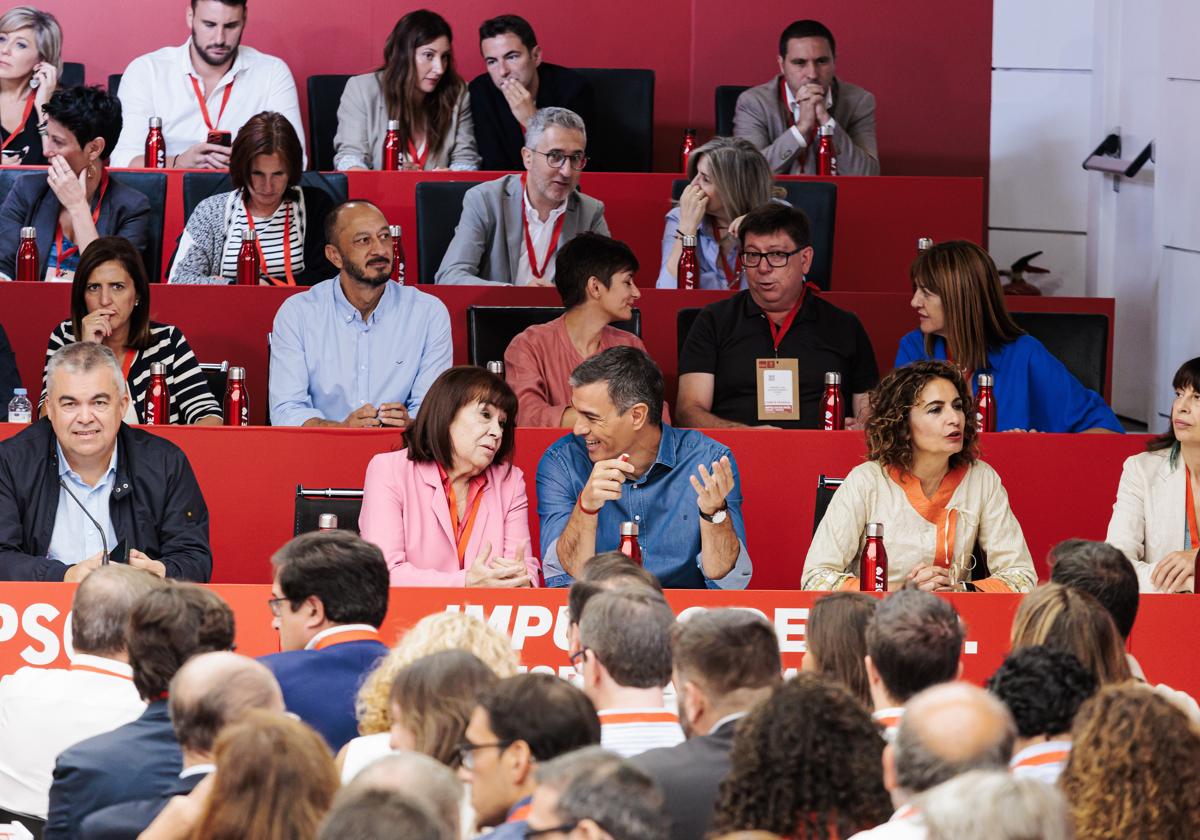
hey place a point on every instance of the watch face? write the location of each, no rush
(719, 517)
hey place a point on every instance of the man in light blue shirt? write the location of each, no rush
(75, 536)
(357, 350)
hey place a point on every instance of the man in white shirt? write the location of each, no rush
(45, 710)
(207, 85)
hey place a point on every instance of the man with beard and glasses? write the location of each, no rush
(203, 91)
(356, 350)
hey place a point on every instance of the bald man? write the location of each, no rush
(423, 777)
(357, 350)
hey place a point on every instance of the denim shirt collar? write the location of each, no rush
(667, 455)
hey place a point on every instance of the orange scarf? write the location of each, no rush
(934, 510)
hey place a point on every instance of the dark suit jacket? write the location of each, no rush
(320, 685)
(126, 820)
(498, 135)
(689, 775)
(134, 761)
(9, 376)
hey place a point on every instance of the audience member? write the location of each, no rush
(209, 692)
(994, 805)
(835, 641)
(519, 724)
(329, 596)
(432, 701)
(190, 88)
(110, 305)
(418, 87)
(1043, 689)
(358, 346)
(27, 81)
(449, 509)
(805, 764)
(268, 199)
(74, 201)
(720, 383)
(619, 440)
(382, 814)
(606, 571)
(430, 781)
(1149, 525)
(81, 466)
(592, 794)
(141, 759)
(963, 317)
(725, 662)
(594, 278)
(782, 117)
(10, 377)
(45, 710)
(727, 178)
(939, 504)
(507, 223)
(1070, 620)
(517, 83)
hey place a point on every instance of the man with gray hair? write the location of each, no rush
(624, 466)
(79, 488)
(511, 228)
(425, 778)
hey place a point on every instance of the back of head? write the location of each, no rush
(629, 631)
(776, 218)
(170, 625)
(1102, 572)
(995, 805)
(603, 573)
(623, 802)
(738, 171)
(376, 814)
(430, 781)
(1043, 689)
(549, 714)
(436, 695)
(347, 573)
(727, 652)
(632, 377)
(836, 639)
(102, 604)
(215, 689)
(914, 640)
(1067, 619)
(586, 256)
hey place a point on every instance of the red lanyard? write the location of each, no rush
(734, 277)
(778, 332)
(533, 266)
(413, 157)
(58, 234)
(1193, 527)
(21, 127)
(204, 105)
(287, 247)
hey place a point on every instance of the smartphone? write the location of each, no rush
(220, 138)
(120, 553)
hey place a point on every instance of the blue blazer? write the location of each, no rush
(134, 761)
(126, 820)
(320, 685)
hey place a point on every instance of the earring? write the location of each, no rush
(91, 170)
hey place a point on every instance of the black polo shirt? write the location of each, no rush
(729, 336)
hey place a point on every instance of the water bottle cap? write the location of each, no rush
(156, 122)
(395, 231)
(393, 125)
(826, 131)
(833, 378)
(986, 380)
(691, 132)
(496, 368)
(629, 529)
(874, 529)
(688, 241)
(327, 521)
(924, 243)
(19, 392)
(29, 233)
(237, 373)
(158, 369)
(251, 235)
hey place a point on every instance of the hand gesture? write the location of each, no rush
(713, 485)
(97, 325)
(46, 76)
(519, 101)
(138, 560)
(203, 156)
(693, 204)
(604, 484)
(76, 573)
(501, 572)
(394, 415)
(1174, 573)
(366, 417)
(808, 98)
(929, 578)
(69, 188)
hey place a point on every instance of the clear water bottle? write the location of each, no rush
(20, 409)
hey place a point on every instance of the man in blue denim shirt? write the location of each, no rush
(623, 464)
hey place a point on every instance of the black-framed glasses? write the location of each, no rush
(577, 659)
(273, 605)
(775, 259)
(558, 829)
(556, 158)
(466, 751)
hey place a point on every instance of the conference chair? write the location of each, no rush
(324, 96)
(439, 207)
(114, 83)
(72, 74)
(684, 319)
(217, 375)
(621, 133)
(490, 329)
(345, 503)
(153, 185)
(1077, 339)
(726, 106)
(198, 186)
(818, 200)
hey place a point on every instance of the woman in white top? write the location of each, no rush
(1154, 521)
(925, 483)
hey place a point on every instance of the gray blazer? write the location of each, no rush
(763, 120)
(362, 126)
(487, 242)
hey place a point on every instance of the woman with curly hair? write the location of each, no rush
(1070, 620)
(925, 484)
(806, 763)
(835, 641)
(1134, 770)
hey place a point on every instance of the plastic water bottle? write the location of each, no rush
(20, 409)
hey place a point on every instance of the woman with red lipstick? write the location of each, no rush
(1154, 521)
(937, 501)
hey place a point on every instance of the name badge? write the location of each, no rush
(51, 275)
(778, 389)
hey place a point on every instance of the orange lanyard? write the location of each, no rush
(1193, 527)
(93, 670)
(1052, 757)
(348, 636)
(533, 266)
(204, 105)
(58, 234)
(778, 332)
(21, 127)
(934, 510)
(462, 532)
(287, 247)
(413, 157)
(734, 277)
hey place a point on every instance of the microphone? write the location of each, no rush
(92, 519)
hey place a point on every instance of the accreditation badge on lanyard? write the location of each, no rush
(779, 379)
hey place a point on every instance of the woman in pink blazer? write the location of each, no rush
(450, 509)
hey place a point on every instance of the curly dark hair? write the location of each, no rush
(1043, 688)
(1134, 769)
(805, 764)
(889, 432)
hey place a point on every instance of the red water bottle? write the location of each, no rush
(237, 401)
(689, 268)
(158, 398)
(391, 147)
(985, 404)
(826, 155)
(831, 403)
(397, 254)
(327, 522)
(629, 542)
(27, 255)
(156, 146)
(689, 143)
(248, 267)
(873, 565)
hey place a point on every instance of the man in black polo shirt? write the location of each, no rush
(760, 357)
(516, 84)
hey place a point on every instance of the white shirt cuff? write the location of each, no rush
(799, 137)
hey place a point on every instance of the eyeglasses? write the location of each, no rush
(273, 605)
(775, 259)
(558, 829)
(556, 158)
(466, 751)
(578, 659)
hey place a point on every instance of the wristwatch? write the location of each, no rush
(718, 517)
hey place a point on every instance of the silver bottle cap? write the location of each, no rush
(833, 378)
(496, 368)
(874, 529)
(250, 235)
(156, 122)
(158, 369)
(629, 529)
(688, 240)
(825, 131)
(924, 243)
(986, 380)
(393, 125)
(395, 231)
(327, 522)
(237, 374)
(29, 233)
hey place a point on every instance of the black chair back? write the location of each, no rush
(439, 207)
(726, 105)
(198, 186)
(324, 96)
(114, 83)
(1077, 339)
(73, 74)
(153, 185)
(217, 374)
(490, 329)
(621, 135)
(312, 502)
(684, 319)
(826, 487)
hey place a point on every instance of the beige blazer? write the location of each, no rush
(1148, 520)
(362, 126)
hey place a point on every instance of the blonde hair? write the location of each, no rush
(46, 30)
(1067, 619)
(739, 172)
(432, 634)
